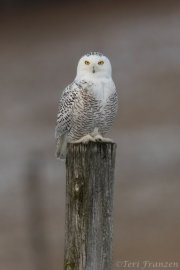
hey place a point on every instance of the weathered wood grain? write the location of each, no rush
(89, 203)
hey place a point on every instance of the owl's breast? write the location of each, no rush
(102, 110)
(101, 90)
(93, 109)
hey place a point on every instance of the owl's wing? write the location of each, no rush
(65, 109)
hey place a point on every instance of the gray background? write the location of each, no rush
(40, 45)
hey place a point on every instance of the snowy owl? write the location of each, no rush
(87, 106)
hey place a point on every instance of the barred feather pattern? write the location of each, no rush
(80, 112)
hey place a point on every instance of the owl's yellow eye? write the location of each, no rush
(100, 62)
(87, 63)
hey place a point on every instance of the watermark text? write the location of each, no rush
(142, 265)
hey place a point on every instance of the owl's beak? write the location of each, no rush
(93, 71)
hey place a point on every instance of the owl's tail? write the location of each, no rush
(61, 145)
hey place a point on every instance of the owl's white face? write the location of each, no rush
(94, 65)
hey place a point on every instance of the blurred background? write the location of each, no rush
(40, 45)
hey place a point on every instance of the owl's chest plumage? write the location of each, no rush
(93, 108)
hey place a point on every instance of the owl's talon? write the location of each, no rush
(85, 139)
(99, 138)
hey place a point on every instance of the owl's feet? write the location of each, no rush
(99, 138)
(85, 139)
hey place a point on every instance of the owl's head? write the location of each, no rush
(94, 65)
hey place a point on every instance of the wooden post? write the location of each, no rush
(89, 203)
